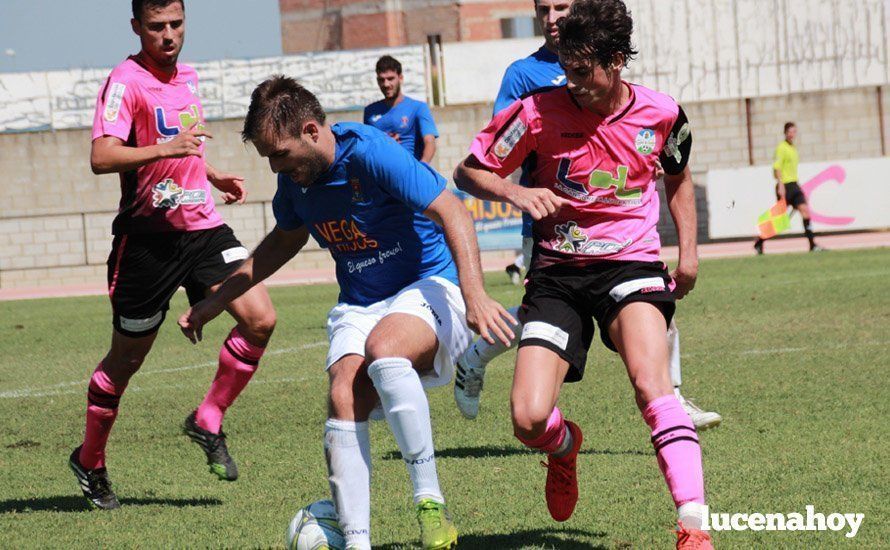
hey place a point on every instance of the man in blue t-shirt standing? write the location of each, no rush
(406, 120)
(541, 70)
(401, 244)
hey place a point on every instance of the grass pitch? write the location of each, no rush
(791, 350)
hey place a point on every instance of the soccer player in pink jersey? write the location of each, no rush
(597, 144)
(149, 128)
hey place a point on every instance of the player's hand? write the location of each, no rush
(232, 187)
(185, 144)
(538, 202)
(193, 320)
(684, 278)
(659, 170)
(396, 137)
(488, 318)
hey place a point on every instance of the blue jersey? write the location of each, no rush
(409, 119)
(539, 70)
(366, 209)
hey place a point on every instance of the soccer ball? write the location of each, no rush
(316, 527)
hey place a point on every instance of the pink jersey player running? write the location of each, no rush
(149, 128)
(596, 146)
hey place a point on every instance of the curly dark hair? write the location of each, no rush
(139, 5)
(388, 63)
(597, 29)
(281, 106)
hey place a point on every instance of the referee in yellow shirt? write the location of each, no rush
(785, 170)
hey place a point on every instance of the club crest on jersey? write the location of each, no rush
(113, 104)
(356, 190)
(510, 138)
(645, 141)
(186, 119)
(169, 194)
(404, 122)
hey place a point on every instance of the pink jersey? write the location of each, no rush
(144, 107)
(604, 167)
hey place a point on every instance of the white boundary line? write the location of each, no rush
(58, 389)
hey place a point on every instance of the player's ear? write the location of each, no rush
(311, 130)
(134, 24)
(618, 61)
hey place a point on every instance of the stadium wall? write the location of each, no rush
(55, 227)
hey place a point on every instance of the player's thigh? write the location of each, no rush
(403, 335)
(537, 380)
(637, 333)
(215, 253)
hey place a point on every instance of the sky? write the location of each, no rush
(43, 35)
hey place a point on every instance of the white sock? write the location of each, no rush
(481, 353)
(673, 337)
(347, 449)
(692, 515)
(408, 414)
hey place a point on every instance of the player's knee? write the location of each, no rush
(121, 365)
(529, 420)
(263, 324)
(649, 386)
(378, 347)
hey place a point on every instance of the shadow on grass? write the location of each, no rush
(564, 539)
(73, 503)
(504, 451)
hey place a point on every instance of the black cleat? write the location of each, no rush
(214, 446)
(514, 273)
(758, 247)
(94, 484)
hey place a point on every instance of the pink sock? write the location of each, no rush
(553, 435)
(238, 360)
(676, 446)
(103, 397)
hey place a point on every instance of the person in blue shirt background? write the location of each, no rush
(406, 120)
(401, 243)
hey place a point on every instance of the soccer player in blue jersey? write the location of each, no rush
(541, 70)
(401, 243)
(406, 120)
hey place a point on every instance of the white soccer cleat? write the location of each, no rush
(467, 387)
(702, 419)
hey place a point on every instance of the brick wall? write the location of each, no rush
(55, 225)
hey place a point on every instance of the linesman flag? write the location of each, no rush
(774, 221)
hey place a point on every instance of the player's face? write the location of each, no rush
(548, 12)
(791, 134)
(589, 82)
(161, 31)
(301, 158)
(390, 84)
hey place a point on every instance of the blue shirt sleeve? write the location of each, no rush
(426, 122)
(511, 89)
(399, 174)
(286, 216)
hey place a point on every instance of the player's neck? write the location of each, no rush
(620, 94)
(394, 101)
(151, 64)
(551, 48)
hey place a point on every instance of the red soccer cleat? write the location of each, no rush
(562, 478)
(693, 539)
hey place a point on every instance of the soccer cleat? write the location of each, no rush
(702, 419)
(437, 532)
(562, 478)
(816, 248)
(214, 446)
(758, 247)
(468, 383)
(94, 483)
(693, 539)
(514, 273)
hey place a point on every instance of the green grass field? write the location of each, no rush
(792, 350)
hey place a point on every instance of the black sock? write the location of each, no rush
(809, 233)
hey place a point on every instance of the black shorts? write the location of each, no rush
(561, 302)
(145, 270)
(793, 194)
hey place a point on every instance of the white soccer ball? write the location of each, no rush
(316, 527)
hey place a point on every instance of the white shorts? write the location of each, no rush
(435, 300)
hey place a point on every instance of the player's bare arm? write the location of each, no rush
(474, 178)
(429, 148)
(780, 187)
(110, 154)
(681, 202)
(231, 185)
(485, 316)
(275, 250)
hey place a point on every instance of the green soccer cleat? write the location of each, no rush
(214, 446)
(437, 532)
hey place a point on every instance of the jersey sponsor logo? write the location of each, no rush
(344, 236)
(169, 194)
(113, 103)
(187, 120)
(645, 141)
(511, 137)
(540, 330)
(672, 147)
(572, 240)
(598, 179)
(625, 289)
